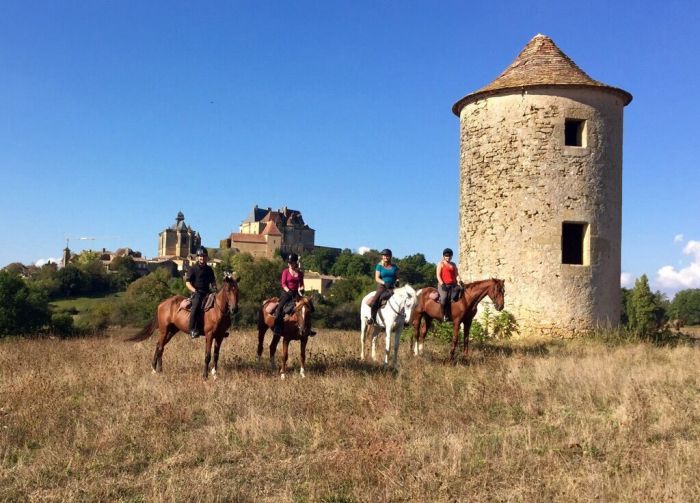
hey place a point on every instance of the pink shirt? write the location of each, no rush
(290, 281)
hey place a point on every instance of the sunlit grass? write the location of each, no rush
(523, 420)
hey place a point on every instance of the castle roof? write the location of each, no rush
(540, 64)
(282, 217)
(271, 229)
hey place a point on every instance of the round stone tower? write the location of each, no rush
(541, 191)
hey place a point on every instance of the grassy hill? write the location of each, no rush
(84, 419)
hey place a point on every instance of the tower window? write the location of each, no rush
(575, 132)
(575, 243)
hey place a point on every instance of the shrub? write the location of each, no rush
(22, 309)
(61, 324)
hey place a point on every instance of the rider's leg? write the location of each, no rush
(443, 290)
(279, 312)
(197, 299)
(375, 303)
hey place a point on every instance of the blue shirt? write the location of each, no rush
(387, 275)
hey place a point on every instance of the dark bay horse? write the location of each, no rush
(170, 319)
(295, 328)
(463, 311)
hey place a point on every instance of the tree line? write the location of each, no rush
(26, 292)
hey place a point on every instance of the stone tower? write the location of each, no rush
(541, 191)
(178, 240)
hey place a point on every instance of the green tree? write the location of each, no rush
(22, 309)
(686, 306)
(124, 271)
(417, 271)
(642, 308)
(320, 260)
(142, 297)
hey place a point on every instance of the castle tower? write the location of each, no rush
(179, 239)
(541, 191)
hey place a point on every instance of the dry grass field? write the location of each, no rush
(85, 420)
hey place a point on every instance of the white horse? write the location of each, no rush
(392, 317)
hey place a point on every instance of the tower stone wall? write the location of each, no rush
(541, 178)
(520, 183)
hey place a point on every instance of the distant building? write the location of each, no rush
(319, 282)
(265, 231)
(178, 240)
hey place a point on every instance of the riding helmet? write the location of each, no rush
(386, 251)
(293, 257)
(447, 251)
(202, 252)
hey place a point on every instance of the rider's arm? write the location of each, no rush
(188, 281)
(378, 278)
(457, 278)
(438, 270)
(301, 282)
(283, 281)
(190, 287)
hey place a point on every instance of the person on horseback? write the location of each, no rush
(200, 279)
(448, 281)
(293, 287)
(386, 275)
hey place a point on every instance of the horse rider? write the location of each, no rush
(200, 279)
(386, 275)
(448, 279)
(292, 282)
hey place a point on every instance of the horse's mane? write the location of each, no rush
(481, 281)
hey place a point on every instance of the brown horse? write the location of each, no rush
(170, 319)
(295, 327)
(462, 311)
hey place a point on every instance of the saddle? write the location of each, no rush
(456, 294)
(209, 301)
(385, 298)
(271, 305)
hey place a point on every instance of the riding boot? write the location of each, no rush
(277, 328)
(446, 312)
(373, 315)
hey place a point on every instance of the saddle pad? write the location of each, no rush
(186, 304)
(270, 307)
(381, 304)
(434, 296)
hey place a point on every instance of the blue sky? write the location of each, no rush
(116, 115)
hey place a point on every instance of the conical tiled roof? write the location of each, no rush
(540, 64)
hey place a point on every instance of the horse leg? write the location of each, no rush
(302, 355)
(217, 347)
(166, 333)
(262, 330)
(363, 333)
(397, 339)
(467, 327)
(455, 338)
(207, 354)
(285, 355)
(387, 342)
(424, 327)
(273, 349)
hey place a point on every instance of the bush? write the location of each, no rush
(61, 324)
(22, 309)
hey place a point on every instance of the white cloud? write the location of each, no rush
(678, 238)
(363, 249)
(43, 261)
(626, 280)
(671, 278)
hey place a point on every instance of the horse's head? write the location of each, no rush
(303, 309)
(230, 292)
(496, 292)
(406, 298)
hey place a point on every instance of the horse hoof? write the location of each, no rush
(153, 371)
(282, 376)
(301, 373)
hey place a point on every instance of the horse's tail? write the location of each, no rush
(144, 333)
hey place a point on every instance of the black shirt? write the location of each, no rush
(201, 276)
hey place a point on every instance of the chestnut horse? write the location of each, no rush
(463, 310)
(294, 328)
(170, 319)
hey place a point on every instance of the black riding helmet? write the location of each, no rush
(386, 251)
(293, 257)
(202, 252)
(447, 251)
